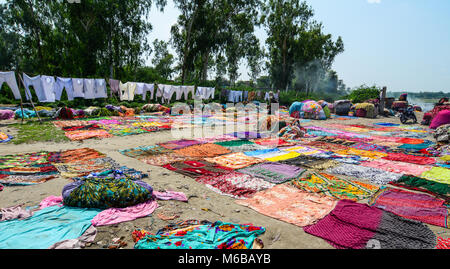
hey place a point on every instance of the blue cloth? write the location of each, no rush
(296, 106)
(26, 113)
(260, 152)
(386, 124)
(46, 227)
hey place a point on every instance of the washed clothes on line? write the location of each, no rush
(61, 84)
(36, 83)
(10, 79)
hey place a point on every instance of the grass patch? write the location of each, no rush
(33, 131)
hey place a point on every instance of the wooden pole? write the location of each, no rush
(31, 100)
(382, 100)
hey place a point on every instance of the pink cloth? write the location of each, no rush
(6, 114)
(443, 117)
(15, 212)
(398, 167)
(51, 201)
(170, 195)
(117, 215)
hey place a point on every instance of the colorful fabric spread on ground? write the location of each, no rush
(335, 187)
(273, 172)
(112, 126)
(26, 169)
(196, 169)
(38, 231)
(234, 184)
(374, 175)
(255, 169)
(291, 205)
(353, 225)
(420, 184)
(218, 235)
(417, 206)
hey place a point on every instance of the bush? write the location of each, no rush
(363, 93)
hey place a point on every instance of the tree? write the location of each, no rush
(298, 52)
(162, 60)
(90, 38)
(9, 43)
(208, 31)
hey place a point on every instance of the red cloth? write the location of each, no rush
(401, 157)
(361, 113)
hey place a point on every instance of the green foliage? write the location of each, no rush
(299, 52)
(364, 93)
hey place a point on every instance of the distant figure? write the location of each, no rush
(403, 97)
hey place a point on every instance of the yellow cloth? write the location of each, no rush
(362, 153)
(283, 157)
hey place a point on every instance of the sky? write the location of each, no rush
(401, 44)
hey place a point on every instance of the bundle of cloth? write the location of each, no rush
(429, 116)
(325, 107)
(155, 108)
(108, 189)
(26, 113)
(65, 113)
(365, 110)
(292, 131)
(6, 114)
(399, 105)
(442, 118)
(308, 110)
(92, 110)
(5, 138)
(442, 133)
(342, 107)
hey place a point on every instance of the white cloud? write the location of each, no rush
(374, 1)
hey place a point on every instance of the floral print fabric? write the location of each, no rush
(218, 235)
(291, 205)
(335, 187)
(235, 184)
(236, 160)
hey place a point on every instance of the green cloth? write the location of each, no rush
(422, 184)
(108, 192)
(327, 112)
(219, 235)
(234, 143)
(438, 174)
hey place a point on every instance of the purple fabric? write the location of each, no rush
(179, 144)
(349, 225)
(273, 171)
(114, 84)
(6, 114)
(443, 117)
(249, 135)
(144, 185)
(67, 190)
(417, 206)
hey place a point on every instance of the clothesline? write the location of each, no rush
(49, 89)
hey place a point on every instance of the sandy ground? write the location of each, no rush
(278, 235)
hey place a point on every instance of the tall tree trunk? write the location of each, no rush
(205, 61)
(186, 46)
(36, 33)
